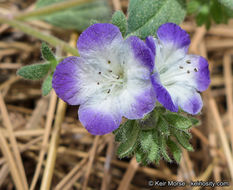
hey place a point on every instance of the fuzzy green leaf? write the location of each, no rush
(47, 53)
(119, 20)
(122, 133)
(78, 17)
(178, 121)
(126, 148)
(194, 121)
(183, 139)
(175, 149)
(47, 85)
(140, 155)
(153, 154)
(146, 140)
(145, 16)
(35, 71)
(163, 126)
(163, 148)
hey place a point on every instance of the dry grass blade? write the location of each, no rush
(48, 124)
(13, 142)
(37, 113)
(90, 163)
(11, 163)
(3, 173)
(51, 159)
(228, 87)
(107, 170)
(222, 135)
(132, 168)
(73, 175)
(116, 4)
(205, 175)
(197, 38)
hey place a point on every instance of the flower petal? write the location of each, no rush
(191, 71)
(71, 81)
(137, 101)
(203, 76)
(162, 95)
(99, 40)
(140, 52)
(173, 36)
(186, 97)
(150, 42)
(138, 97)
(100, 118)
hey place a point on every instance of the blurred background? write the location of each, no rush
(84, 161)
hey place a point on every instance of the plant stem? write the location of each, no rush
(52, 154)
(50, 9)
(40, 35)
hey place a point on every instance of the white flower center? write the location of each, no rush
(111, 80)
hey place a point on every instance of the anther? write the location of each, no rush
(118, 77)
(188, 61)
(195, 70)
(108, 91)
(109, 61)
(181, 67)
(188, 71)
(110, 71)
(99, 73)
(98, 83)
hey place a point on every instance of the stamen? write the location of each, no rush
(109, 61)
(188, 62)
(98, 83)
(118, 77)
(181, 67)
(108, 91)
(195, 69)
(188, 71)
(99, 73)
(110, 71)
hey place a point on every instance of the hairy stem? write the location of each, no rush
(40, 35)
(50, 9)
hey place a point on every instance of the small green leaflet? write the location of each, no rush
(175, 150)
(128, 146)
(145, 16)
(47, 85)
(47, 53)
(119, 20)
(35, 71)
(177, 120)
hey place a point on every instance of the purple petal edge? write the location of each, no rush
(162, 94)
(65, 81)
(171, 32)
(97, 122)
(203, 78)
(141, 52)
(193, 105)
(98, 36)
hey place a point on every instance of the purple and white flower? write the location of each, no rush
(110, 79)
(177, 76)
